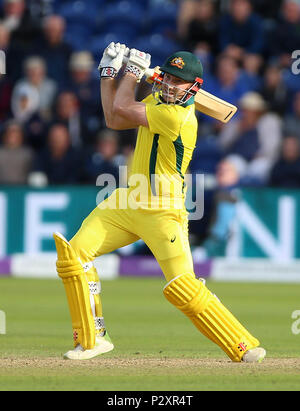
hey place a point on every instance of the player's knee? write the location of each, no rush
(175, 266)
(67, 263)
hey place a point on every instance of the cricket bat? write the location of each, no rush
(205, 102)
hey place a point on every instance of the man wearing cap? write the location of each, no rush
(151, 208)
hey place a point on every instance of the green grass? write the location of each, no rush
(156, 346)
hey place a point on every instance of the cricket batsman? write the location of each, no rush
(151, 208)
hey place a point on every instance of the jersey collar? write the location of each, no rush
(188, 103)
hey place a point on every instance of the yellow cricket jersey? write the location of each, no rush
(163, 152)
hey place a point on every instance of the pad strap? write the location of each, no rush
(95, 287)
(99, 323)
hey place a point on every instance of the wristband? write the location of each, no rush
(134, 70)
(109, 72)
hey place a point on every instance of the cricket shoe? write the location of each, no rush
(254, 355)
(102, 345)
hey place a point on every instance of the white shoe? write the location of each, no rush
(102, 345)
(255, 355)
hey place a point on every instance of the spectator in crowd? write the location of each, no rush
(227, 83)
(255, 136)
(36, 77)
(17, 19)
(241, 36)
(197, 20)
(185, 15)
(274, 90)
(291, 125)
(67, 112)
(59, 161)
(53, 49)
(25, 109)
(286, 171)
(104, 159)
(241, 29)
(186, 12)
(229, 178)
(251, 71)
(15, 158)
(24, 102)
(285, 37)
(12, 14)
(202, 28)
(86, 88)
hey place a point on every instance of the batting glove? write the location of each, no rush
(138, 63)
(112, 59)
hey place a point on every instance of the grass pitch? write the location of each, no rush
(156, 347)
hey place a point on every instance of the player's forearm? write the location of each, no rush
(108, 91)
(125, 104)
(125, 95)
(113, 119)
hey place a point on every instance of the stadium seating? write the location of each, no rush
(158, 46)
(58, 5)
(162, 18)
(124, 17)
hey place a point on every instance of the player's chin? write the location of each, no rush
(169, 98)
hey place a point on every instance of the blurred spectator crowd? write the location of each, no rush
(52, 125)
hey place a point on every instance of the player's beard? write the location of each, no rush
(170, 94)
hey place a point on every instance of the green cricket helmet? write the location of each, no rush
(184, 65)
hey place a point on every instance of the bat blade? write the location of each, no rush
(214, 107)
